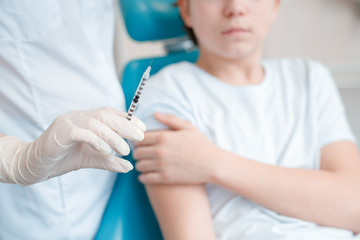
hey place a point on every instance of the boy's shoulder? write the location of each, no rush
(176, 69)
(297, 64)
(173, 77)
(178, 74)
(299, 71)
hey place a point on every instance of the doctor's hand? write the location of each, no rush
(181, 155)
(75, 140)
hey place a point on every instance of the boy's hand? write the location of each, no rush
(181, 155)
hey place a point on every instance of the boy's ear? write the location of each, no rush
(184, 11)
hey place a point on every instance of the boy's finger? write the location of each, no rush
(174, 122)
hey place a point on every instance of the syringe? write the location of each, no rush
(136, 98)
(138, 92)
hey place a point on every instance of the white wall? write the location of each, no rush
(325, 30)
(351, 99)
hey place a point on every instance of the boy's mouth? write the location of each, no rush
(235, 31)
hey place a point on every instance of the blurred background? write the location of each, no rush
(323, 30)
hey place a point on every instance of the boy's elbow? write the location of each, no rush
(354, 225)
(356, 229)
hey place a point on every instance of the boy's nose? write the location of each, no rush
(234, 8)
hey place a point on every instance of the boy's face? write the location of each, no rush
(231, 29)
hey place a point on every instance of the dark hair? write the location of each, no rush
(189, 31)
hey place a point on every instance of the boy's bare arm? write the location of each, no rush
(182, 211)
(329, 196)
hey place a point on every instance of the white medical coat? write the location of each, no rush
(55, 56)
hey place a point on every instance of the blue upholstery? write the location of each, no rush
(149, 20)
(128, 215)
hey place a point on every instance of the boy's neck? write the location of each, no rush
(237, 72)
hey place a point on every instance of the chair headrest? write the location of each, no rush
(151, 20)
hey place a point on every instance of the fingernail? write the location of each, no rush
(159, 114)
(127, 166)
(139, 134)
(125, 149)
(105, 148)
(141, 125)
(141, 178)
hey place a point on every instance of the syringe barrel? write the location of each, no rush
(137, 94)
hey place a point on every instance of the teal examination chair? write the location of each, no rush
(128, 215)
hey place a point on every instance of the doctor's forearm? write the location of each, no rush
(321, 197)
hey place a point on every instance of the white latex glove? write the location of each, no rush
(74, 140)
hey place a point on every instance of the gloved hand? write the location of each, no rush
(75, 140)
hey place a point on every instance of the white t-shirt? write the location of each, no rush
(282, 121)
(55, 56)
